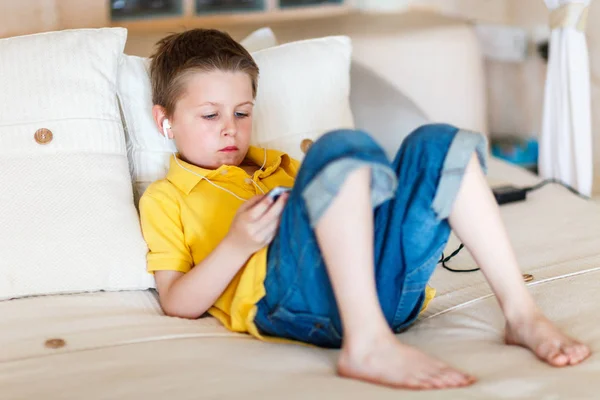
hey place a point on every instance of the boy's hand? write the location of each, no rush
(256, 222)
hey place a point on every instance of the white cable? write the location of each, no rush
(264, 160)
(214, 184)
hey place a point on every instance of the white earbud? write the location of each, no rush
(166, 125)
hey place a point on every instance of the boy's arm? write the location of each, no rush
(191, 294)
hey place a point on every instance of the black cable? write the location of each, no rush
(444, 260)
(556, 181)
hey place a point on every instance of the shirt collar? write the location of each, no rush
(268, 159)
(186, 176)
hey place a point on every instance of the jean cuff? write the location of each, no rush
(324, 187)
(462, 147)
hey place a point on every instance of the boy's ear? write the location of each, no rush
(159, 113)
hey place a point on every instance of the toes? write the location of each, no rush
(438, 382)
(438, 378)
(451, 378)
(562, 353)
(557, 357)
(442, 380)
(559, 360)
(447, 379)
(571, 352)
(552, 353)
(417, 384)
(583, 351)
(468, 379)
(457, 378)
(577, 352)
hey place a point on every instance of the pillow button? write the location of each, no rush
(55, 343)
(305, 145)
(43, 136)
(527, 277)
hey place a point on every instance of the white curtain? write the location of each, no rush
(566, 138)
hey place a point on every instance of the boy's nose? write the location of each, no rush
(229, 129)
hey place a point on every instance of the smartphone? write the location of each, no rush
(278, 191)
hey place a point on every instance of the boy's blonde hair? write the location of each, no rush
(197, 50)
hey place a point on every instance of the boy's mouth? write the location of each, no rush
(229, 149)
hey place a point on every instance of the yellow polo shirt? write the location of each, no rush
(184, 218)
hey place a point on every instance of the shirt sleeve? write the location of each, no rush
(162, 229)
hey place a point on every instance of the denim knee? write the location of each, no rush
(430, 136)
(338, 145)
(331, 159)
(341, 142)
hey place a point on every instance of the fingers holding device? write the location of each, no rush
(278, 191)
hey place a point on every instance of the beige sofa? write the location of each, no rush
(118, 344)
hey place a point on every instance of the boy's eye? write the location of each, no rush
(209, 116)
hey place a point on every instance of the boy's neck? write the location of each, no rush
(249, 166)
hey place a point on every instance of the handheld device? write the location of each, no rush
(278, 191)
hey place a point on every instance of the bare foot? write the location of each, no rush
(391, 363)
(545, 340)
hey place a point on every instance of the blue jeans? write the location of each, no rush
(412, 198)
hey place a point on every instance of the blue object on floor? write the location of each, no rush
(522, 152)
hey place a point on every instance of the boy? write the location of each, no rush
(344, 259)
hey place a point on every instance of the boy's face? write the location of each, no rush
(212, 121)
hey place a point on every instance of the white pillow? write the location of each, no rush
(303, 92)
(67, 218)
(147, 149)
(262, 38)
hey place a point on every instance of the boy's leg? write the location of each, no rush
(300, 302)
(489, 245)
(370, 350)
